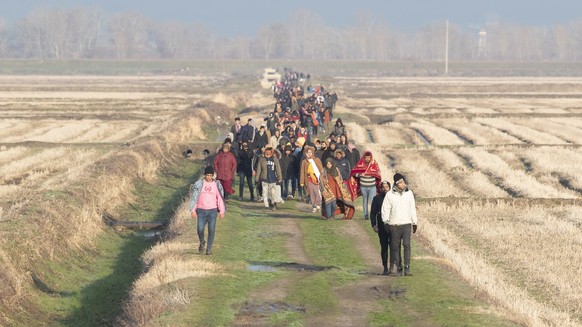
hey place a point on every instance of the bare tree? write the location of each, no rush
(305, 26)
(271, 40)
(129, 35)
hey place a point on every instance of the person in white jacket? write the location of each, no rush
(399, 217)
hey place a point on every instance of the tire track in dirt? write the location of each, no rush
(263, 302)
(357, 300)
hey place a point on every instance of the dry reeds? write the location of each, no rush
(498, 247)
(518, 181)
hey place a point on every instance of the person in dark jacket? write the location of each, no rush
(262, 138)
(378, 225)
(352, 154)
(342, 163)
(245, 170)
(339, 128)
(287, 171)
(329, 152)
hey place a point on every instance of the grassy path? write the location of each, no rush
(290, 268)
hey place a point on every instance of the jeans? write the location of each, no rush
(400, 234)
(285, 188)
(330, 208)
(207, 217)
(368, 193)
(241, 184)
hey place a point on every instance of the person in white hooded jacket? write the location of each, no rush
(399, 217)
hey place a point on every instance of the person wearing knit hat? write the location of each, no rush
(206, 204)
(399, 217)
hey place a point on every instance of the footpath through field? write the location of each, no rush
(289, 267)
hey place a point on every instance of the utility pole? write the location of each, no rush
(447, 49)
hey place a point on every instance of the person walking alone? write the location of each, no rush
(206, 204)
(399, 216)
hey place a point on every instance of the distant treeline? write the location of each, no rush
(87, 33)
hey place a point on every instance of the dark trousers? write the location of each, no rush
(384, 237)
(206, 217)
(241, 184)
(400, 235)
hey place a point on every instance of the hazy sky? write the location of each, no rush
(244, 17)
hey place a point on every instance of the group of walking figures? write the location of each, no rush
(284, 159)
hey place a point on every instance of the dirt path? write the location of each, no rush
(356, 300)
(263, 302)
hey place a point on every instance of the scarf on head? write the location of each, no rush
(331, 171)
(372, 169)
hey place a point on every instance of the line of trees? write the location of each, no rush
(85, 33)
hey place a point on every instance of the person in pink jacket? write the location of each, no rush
(207, 202)
(225, 167)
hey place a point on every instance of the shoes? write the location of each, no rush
(252, 200)
(289, 197)
(407, 271)
(274, 207)
(208, 252)
(394, 270)
(385, 272)
(318, 208)
(314, 210)
(366, 217)
(201, 247)
(240, 198)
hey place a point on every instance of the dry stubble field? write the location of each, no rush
(495, 165)
(71, 149)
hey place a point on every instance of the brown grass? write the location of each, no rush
(494, 251)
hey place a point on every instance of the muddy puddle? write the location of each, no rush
(294, 266)
(266, 309)
(389, 292)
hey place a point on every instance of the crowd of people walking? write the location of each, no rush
(301, 151)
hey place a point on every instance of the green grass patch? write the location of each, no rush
(433, 295)
(157, 201)
(88, 289)
(241, 240)
(315, 293)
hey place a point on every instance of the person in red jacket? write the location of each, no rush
(225, 167)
